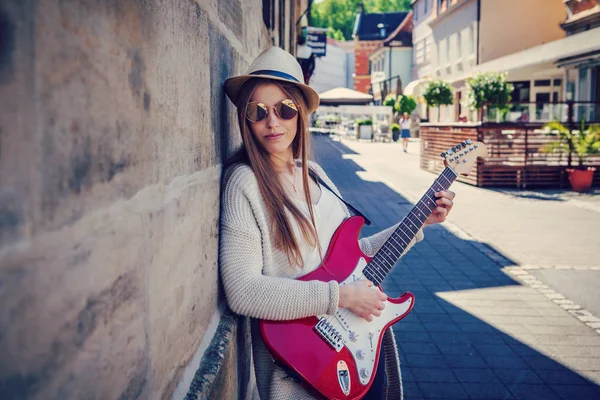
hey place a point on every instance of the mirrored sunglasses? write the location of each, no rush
(285, 109)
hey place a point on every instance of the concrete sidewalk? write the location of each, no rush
(480, 329)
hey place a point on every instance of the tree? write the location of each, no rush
(489, 88)
(390, 100)
(438, 93)
(405, 104)
(339, 15)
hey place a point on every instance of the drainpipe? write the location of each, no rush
(478, 29)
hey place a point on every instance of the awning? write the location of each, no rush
(415, 87)
(344, 96)
(581, 43)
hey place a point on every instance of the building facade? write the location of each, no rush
(582, 71)
(331, 71)
(391, 63)
(370, 31)
(465, 35)
(114, 131)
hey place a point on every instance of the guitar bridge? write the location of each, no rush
(327, 331)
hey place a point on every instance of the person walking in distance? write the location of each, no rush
(405, 124)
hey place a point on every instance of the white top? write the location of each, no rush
(329, 214)
(405, 123)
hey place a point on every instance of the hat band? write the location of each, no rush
(277, 74)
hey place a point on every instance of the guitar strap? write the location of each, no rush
(316, 177)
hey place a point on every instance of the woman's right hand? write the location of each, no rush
(362, 298)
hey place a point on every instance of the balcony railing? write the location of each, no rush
(525, 112)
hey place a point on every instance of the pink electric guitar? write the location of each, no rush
(336, 356)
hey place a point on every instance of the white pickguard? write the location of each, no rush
(359, 335)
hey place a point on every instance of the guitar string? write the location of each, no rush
(344, 314)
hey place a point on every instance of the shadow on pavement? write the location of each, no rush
(446, 352)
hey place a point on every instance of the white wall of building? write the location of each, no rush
(331, 70)
(422, 38)
(455, 43)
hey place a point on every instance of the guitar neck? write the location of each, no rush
(385, 259)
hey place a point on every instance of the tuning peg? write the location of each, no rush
(449, 151)
(468, 141)
(464, 144)
(443, 155)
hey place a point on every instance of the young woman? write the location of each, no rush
(405, 135)
(277, 221)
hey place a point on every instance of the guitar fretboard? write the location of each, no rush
(385, 259)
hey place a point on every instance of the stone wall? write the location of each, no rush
(113, 128)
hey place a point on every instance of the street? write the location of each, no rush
(505, 300)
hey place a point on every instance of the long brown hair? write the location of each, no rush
(271, 189)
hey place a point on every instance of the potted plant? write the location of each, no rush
(365, 129)
(490, 89)
(438, 93)
(395, 132)
(581, 144)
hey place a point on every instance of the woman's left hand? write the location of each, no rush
(444, 204)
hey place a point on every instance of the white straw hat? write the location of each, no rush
(274, 63)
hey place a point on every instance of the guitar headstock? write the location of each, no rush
(462, 156)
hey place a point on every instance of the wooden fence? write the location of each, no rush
(514, 156)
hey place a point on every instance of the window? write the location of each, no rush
(447, 59)
(442, 6)
(425, 2)
(459, 45)
(420, 55)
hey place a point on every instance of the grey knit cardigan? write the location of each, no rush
(260, 283)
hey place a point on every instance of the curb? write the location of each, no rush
(212, 362)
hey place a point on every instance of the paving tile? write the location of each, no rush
(407, 375)
(411, 391)
(561, 377)
(418, 348)
(426, 361)
(475, 375)
(425, 317)
(447, 391)
(441, 327)
(456, 348)
(485, 338)
(533, 392)
(438, 375)
(577, 392)
(502, 362)
(494, 349)
(405, 326)
(542, 362)
(483, 391)
(465, 361)
(476, 327)
(574, 351)
(452, 337)
(412, 337)
(518, 376)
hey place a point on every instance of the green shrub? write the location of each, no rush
(364, 122)
(395, 128)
